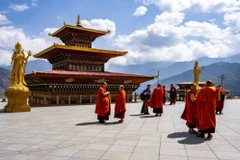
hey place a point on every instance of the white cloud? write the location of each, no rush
(169, 39)
(101, 24)
(34, 3)
(198, 5)
(140, 11)
(10, 35)
(4, 20)
(19, 7)
(233, 20)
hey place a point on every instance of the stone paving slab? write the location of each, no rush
(72, 133)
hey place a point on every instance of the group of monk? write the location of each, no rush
(200, 109)
(153, 100)
(103, 104)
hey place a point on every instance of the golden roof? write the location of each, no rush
(78, 28)
(57, 49)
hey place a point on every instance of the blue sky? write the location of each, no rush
(150, 30)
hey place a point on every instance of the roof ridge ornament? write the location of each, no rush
(79, 21)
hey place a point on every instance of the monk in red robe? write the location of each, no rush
(206, 109)
(190, 111)
(220, 104)
(120, 105)
(156, 100)
(103, 106)
(164, 95)
(173, 94)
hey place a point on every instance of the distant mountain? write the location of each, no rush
(168, 69)
(4, 82)
(139, 68)
(38, 65)
(212, 72)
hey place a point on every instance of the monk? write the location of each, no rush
(156, 100)
(173, 94)
(120, 105)
(164, 94)
(220, 104)
(190, 111)
(103, 106)
(206, 109)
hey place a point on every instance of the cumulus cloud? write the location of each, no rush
(34, 3)
(140, 11)
(101, 24)
(19, 7)
(10, 35)
(198, 5)
(4, 19)
(172, 38)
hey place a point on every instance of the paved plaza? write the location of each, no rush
(72, 133)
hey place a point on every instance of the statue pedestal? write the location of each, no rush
(17, 99)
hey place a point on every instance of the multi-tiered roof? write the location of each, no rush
(78, 60)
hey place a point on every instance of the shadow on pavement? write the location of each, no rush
(96, 123)
(135, 115)
(87, 123)
(151, 116)
(187, 138)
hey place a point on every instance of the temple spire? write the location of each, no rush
(79, 21)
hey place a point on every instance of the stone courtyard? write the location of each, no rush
(72, 133)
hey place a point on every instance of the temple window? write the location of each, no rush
(78, 67)
(70, 67)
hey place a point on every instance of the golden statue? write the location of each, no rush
(197, 71)
(18, 93)
(19, 62)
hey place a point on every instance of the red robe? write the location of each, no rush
(120, 105)
(173, 95)
(220, 104)
(156, 100)
(190, 112)
(206, 109)
(103, 106)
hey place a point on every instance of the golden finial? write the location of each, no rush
(108, 31)
(79, 21)
(64, 23)
(34, 71)
(49, 34)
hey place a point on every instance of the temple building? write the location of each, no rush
(77, 70)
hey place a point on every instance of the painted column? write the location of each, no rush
(135, 97)
(91, 98)
(69, 99)
(127, 97)
(80, 99)
(45, 99)
(31, 99)
(57, 99)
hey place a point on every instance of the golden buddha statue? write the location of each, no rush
(18, 93)
(197, 71)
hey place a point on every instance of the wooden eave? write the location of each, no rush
(77, 29)
(57, 49)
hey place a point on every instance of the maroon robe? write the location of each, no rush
(190, 112)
